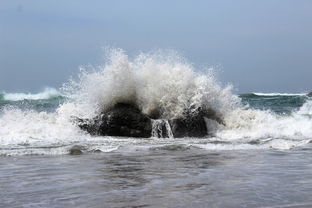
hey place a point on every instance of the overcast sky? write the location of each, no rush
(258, 46)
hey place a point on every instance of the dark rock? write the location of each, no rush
(96, 151)
(127, 120)
(190, 126)
(76, 150)
(120, 120)
(193, 123)
(309, 94)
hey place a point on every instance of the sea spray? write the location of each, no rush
(153, 82)
(158, 83)
(169, 84)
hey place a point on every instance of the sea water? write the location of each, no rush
(259, 157)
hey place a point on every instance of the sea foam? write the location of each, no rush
(47, 93)
(157, 80)
(279, 94)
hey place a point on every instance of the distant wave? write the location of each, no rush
(47, 93)
(279, 94)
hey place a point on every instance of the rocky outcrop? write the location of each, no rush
(309, 94)
(127, 120)
(190, 126)
(120, 120)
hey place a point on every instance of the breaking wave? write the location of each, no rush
(47, 93)
(158, 81)
(279, 94)
(153, 81)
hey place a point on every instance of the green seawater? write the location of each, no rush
(47, 105)
(280, 104)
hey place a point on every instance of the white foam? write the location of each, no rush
(152, 81)
(278, 144)
(306, 109)
(248, 124)
(279, 94)
(46, 94)
(25, 132)
(22, 127)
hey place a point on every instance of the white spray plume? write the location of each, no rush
(152, 81)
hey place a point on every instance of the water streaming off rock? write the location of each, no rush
(161, 129)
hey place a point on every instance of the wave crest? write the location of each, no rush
(158, 81)
(278, 94)
(47, 93)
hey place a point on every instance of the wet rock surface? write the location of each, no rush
(120, 120)
(127, 120)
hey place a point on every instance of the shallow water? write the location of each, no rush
(160, 178)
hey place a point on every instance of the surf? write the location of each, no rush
(279, 94)
(159, 82)
(47, 93)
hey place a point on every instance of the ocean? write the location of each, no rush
(261, 156)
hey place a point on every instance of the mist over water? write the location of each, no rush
(43, 123)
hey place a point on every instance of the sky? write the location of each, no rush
(257, 46)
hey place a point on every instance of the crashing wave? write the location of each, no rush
(47, 93)
(155, 82)
(158, 81)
